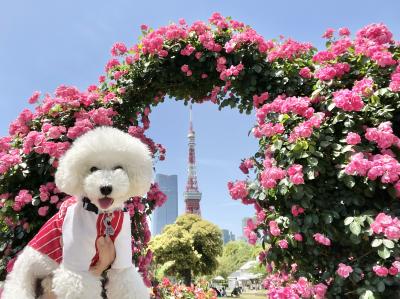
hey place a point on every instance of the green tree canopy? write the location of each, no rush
(234, 255)
(191, 244)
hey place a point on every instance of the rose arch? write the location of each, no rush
(327, 187)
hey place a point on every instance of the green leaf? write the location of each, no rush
(325, 143)
(348, 220)
(349, 123)
(283, 189)
(312, 161)
(384, 253)
(257, 68)
(262, 196)
(381, 287)
(376, 243)
(308, 220)
(310, 174)
(349, 181)
(328, 218)
(331, 106)
(355, 239)
(3, 246)
(277, 145)
(20, 235)
(355, 228)
(367, 295)
(388, 244)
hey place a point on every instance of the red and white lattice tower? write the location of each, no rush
(192, 195)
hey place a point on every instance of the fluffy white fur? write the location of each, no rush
(102, 157)
(106, 149)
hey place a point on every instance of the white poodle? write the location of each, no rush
(102, 169)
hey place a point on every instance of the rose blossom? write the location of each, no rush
(320, 238)
(283, 244)
(344, 270)
(238, 190)
(34, 98)
(298, 237)
(43, 211)
(348, 100)
(344, 31)
(274, 228)
(353, 138)
(380, 271)
(305, 73)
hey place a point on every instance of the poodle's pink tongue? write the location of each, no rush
(105, 202)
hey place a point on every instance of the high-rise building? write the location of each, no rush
(233, 237)
(227, 236)
(192, 195)
(167, 213)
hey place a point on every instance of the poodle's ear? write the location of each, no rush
(69, 177)
(140, 169)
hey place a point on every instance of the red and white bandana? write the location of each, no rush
(70, 236)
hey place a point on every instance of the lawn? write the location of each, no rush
(253, 295)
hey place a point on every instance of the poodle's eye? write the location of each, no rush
(93, 169)
(118, 167)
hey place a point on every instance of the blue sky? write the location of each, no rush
(47, 43)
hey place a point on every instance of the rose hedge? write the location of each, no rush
(326, 170)
(168, 290)
(29, 156)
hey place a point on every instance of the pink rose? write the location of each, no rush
(328, 33)
(238, 190)
(296, 210)
(54, 199)
(305, 73)
(298, 237)
(396, 264)
(392, 232)
(184, 68)
(34, 98)
(320, 290)
(380, 271)
(283, 244)
(348, 100)
(353, 138)
(393, 271)
(43, 211)
(320, 238)
(344, 270)
(297, 179)
(274, 228)
(344, 31)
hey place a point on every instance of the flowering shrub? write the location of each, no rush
(28, 158)
(167, 290)
(328, 171)
(327, 167)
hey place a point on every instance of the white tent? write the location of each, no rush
(249, 265)
(218, 278)
(244, 274)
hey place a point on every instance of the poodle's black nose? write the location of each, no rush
(106, 190)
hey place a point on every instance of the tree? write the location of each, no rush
(234, 255)
(192, 244)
